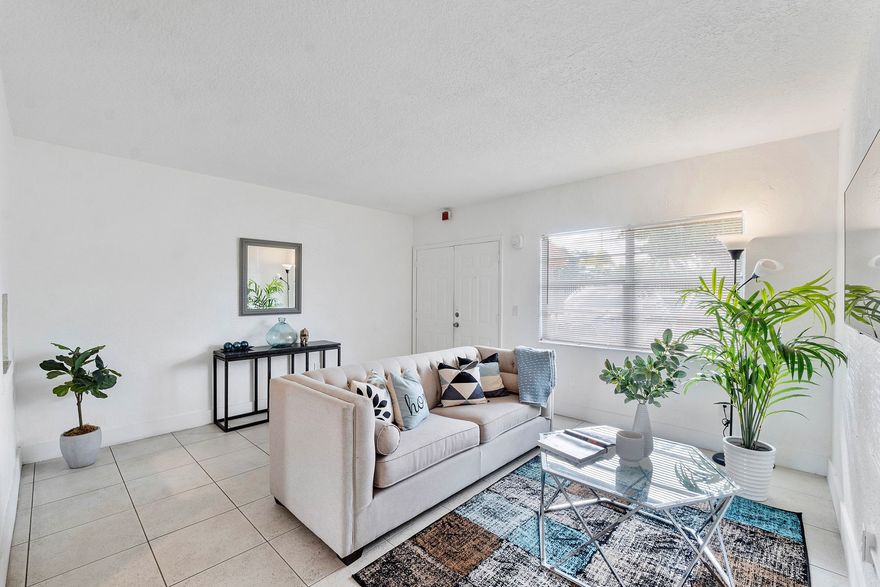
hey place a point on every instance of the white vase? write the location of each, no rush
(750, 469)
(642, 424)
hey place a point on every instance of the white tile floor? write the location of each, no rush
(193, 508)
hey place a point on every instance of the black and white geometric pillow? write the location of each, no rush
(378, 395)
(490, 375)
(460, 385)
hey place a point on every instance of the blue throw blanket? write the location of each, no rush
(536, 370)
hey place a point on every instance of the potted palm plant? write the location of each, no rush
(758, 365)
(80, 445)
(647, 380)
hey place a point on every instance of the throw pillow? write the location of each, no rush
(460, 386)
(407, 399)
(490, 375)
(378, 395)
(387, 437)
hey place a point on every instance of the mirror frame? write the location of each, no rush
(243, 309)
(849, 199)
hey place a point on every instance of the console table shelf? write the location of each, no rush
(255, 354)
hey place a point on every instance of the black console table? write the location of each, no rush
(255, 354)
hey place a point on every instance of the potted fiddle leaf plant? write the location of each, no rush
(759, 364)
(648, 379)
(86, 375)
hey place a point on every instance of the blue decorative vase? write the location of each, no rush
(281, 334)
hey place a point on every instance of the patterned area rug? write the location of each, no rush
(492, 540)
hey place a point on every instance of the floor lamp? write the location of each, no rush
(287, 267)
(735, 245)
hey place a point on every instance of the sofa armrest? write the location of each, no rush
(321, 456)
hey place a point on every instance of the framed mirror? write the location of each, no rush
(862, 205)
(270, 277)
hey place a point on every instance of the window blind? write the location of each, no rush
(620, 287)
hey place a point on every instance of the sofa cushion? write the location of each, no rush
(495, 418)
(433, 441)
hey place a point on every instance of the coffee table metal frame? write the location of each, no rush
(696, 538)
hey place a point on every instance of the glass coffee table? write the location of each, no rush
(675, 475)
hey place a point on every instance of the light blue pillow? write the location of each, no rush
(408, 399)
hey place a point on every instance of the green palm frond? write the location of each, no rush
(748, 355)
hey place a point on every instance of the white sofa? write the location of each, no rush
(323, 462)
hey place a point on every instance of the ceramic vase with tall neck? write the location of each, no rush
(642, 424)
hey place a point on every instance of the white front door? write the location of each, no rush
(457, 296)
(435, 270)
(476, 295)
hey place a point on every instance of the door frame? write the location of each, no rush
(497, 239)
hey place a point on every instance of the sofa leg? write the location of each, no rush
(347, 560)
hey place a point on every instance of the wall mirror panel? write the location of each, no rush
(862, 197)
(270, 277)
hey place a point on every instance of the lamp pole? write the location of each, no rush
(287, 267)
(727, 419)
(733, 247)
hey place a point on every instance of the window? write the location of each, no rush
(619, 287)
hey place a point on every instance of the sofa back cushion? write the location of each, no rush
(507, 362)
(425, 364)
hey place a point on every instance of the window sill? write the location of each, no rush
(597, 347)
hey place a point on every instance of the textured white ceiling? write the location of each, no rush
(412, 105)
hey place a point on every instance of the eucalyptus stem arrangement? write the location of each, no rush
(648, 379)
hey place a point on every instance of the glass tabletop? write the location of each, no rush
(675, 474)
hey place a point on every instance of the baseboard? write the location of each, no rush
(7, 524)
(41, 451)
(809, 462)
(860, 573)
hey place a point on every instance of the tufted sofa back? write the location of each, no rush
(425, 364)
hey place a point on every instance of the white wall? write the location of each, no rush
(9, 465)
(854, 472)
(144, 259)
(787, 191)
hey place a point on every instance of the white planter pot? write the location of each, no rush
(750, 469)
(81, 451)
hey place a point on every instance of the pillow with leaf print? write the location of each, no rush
(374, 390)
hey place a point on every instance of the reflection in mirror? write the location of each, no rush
(862, 297)
(270, 277)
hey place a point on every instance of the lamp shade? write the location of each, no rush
(765, 266)
(734, 242)
(874, 262)
(287, 266)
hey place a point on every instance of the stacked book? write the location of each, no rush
(578, 446)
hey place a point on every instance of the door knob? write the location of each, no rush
(457, 314)
(455, 324)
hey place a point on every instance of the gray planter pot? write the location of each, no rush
(81, 451)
